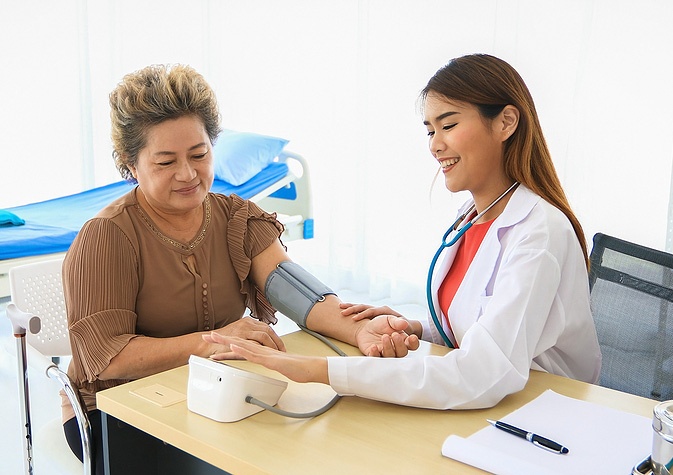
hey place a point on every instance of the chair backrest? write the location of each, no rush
(37, 288)
(632, 305)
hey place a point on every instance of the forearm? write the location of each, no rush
(144, 356)
(325, 318)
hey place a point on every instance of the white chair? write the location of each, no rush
(39, 323)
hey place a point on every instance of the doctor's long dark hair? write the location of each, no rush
(490, 84)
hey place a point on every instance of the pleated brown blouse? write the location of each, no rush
(122, 278)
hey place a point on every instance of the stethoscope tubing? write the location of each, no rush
(431, 303)
(446, 242)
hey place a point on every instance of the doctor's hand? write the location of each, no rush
(362, 311)
(386, 336)
(303, 369)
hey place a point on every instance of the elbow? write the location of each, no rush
(108, 373)
(511, 383)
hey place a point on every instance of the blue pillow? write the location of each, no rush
(241, 155)
(10, 219)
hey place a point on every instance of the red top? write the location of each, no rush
(467, 248)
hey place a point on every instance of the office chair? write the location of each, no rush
(632, 305)
(39, 323)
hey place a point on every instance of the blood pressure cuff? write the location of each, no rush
(293, 291)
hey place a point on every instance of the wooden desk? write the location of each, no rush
(355, 436)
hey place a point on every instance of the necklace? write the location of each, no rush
(185, 247)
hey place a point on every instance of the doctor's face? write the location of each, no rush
(175, 169)
(468, 147)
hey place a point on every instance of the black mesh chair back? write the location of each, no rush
(632, 305)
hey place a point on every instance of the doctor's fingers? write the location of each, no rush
(373, 312)
(404, 343)
(220, 349)
(391, 346)
(225, 355)
(223, 344)
(348, 308)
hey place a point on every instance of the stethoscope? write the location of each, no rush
(446, 242)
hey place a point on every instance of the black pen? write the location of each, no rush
(531, 437)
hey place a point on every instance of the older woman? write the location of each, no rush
(171, 261)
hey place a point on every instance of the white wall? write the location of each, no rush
(340, 80)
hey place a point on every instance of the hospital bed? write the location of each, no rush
(283, 186)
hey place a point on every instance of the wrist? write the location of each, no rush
(320, 372)
(203, 348)
(356, 329)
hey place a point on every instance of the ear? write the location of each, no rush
(132, 169)
(509, 121)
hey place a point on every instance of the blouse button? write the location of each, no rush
(205, 286)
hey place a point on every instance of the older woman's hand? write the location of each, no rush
(247, 329)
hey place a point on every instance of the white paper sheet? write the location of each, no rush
(601, 440)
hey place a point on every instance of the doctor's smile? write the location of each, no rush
(446, 163)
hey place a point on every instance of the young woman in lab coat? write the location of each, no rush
(511, 294)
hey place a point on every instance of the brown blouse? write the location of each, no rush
(122, 278)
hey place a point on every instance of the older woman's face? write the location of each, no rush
(175, 169)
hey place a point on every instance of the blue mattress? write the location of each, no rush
(52, 225)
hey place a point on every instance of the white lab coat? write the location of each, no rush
(524, 303)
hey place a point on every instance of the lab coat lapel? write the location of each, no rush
(518, 207)
(469, 298)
